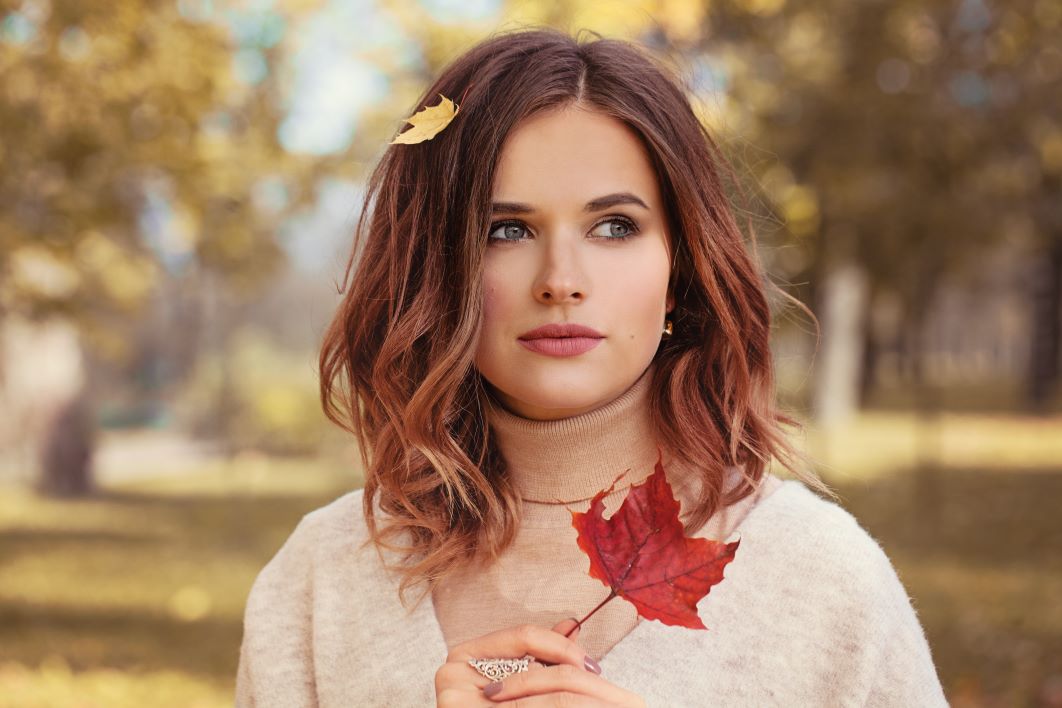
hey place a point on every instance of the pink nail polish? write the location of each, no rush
(492, 689)
(591, 665)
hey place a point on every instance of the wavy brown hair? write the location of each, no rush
(397, 360)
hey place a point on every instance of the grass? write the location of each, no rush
(135, 596)
(966, 506)
(983, 565)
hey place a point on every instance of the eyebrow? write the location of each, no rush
(599, 204)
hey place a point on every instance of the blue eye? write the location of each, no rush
(508, 228)
(618, 228)
(627, 228)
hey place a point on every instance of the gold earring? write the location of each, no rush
(667, 329)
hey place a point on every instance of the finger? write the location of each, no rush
(551, 700)
(568, 627)
(555, 679)
(543, 644)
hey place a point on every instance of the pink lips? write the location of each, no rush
(561, 339)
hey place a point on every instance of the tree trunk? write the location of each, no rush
(66, 448)
(47, 428)
(1047, 328)
(871, 348)
(838, 372)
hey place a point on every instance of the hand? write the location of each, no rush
(558, 677)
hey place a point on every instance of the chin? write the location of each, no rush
(557, 384)
(553, 395)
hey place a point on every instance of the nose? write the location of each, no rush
(561, 279)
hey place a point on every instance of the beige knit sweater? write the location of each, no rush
(810, 611)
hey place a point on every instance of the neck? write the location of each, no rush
(572, 459)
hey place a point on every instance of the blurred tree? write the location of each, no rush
(908, 138)
(131, 143)
(905, 139)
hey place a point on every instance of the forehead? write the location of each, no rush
(565, 157)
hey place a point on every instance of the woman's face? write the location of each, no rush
(578, 236)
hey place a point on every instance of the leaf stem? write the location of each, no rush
(579, 623)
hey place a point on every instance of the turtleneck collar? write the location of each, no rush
(572, 459)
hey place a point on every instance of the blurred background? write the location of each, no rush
(178, 184)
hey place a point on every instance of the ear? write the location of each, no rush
(670, 301)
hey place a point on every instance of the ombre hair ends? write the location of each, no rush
(396, 363)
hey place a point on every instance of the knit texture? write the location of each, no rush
(557, 467)
(810, 611)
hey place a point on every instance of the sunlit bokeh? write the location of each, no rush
(178, 186)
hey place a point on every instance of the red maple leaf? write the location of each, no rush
(643, 554)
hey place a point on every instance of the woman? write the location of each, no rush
(549, 292)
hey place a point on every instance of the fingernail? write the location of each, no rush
(591, 665)
(492, 689)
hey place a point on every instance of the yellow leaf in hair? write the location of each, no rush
(427, 122)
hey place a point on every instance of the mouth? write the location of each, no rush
(561, 331)
(561, 346)
(562, 339)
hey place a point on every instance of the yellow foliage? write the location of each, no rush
(106, 342)
(274, 395)
(810, 48)
(613, 19)
(185, 229)
(913, 29)
(763, 8)
(709, 113)
(428, 121)
(190, 603)
(129, 93)
(36, 270)
(1051, 151)
(801, 208)
(1048, 13)
(683, 19)
(20, 85)
(281, 406)
(776, 181)
(127, 278)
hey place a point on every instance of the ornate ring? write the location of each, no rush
(498, 669)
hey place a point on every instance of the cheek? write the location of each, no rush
(639, 294)
(496, 299)
(500, 315)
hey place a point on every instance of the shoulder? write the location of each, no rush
(325, 541)
(813, 526)
(819, 543)
(827, 580)
(340, 520)
(342, 515)
(337, 527)
(278, 618)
